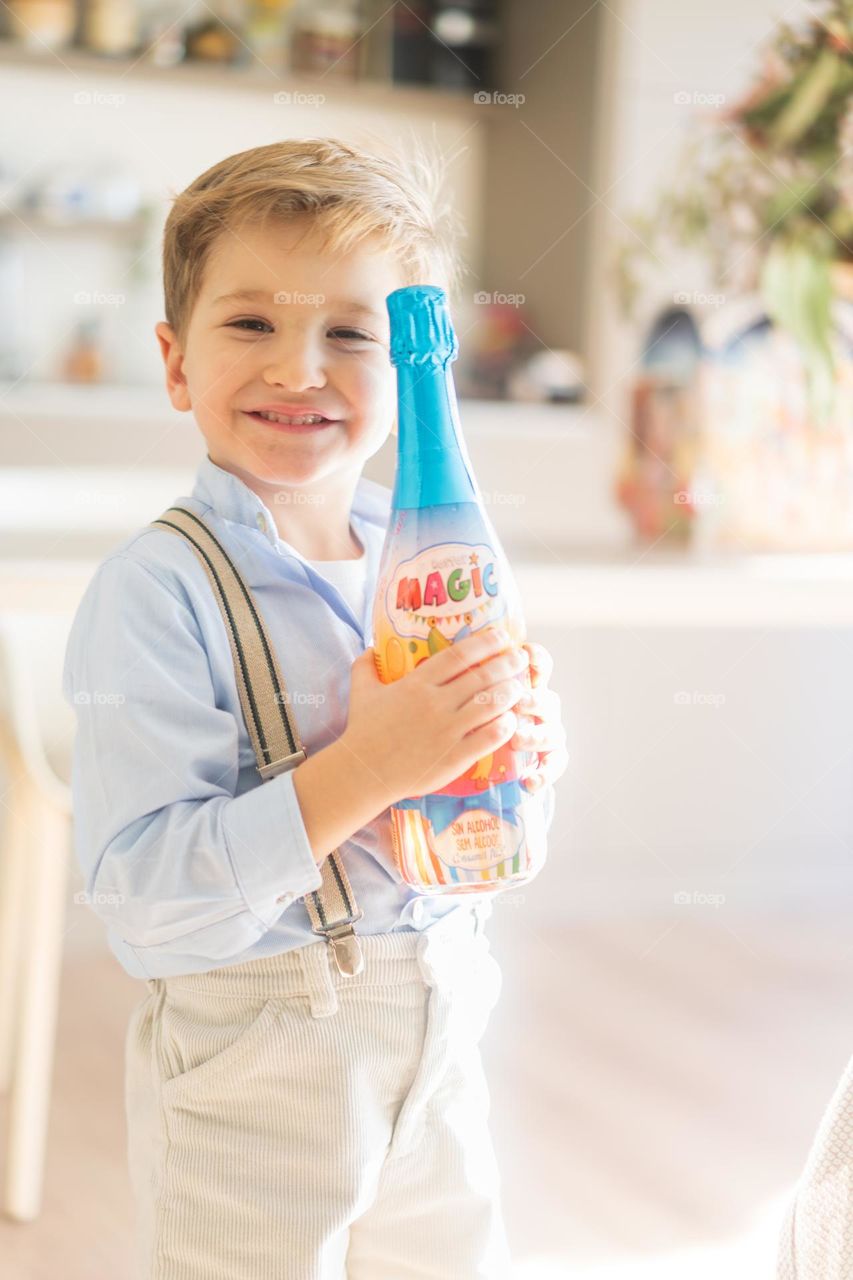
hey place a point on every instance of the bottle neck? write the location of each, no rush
(433, 468)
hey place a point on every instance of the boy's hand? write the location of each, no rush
(540, 726)
(418, 733)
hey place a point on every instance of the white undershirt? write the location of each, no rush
(350, 578)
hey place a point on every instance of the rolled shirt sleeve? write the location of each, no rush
(185, 855)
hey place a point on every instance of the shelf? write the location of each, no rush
(256, 78)
(49, 568)
(36, 220)
(65, 518)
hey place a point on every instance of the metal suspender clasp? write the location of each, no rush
(281, 766)
(346, 949)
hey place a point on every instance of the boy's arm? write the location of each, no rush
(338, 794)
(177, 866)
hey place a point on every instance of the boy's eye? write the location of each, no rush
(262, 326)
(352, 335)
(238, 324)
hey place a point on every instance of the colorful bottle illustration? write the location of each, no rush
(443, 575)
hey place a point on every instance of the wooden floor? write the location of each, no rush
(655, 1085)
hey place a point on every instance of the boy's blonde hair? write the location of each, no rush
(350, 192)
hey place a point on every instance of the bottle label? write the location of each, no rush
(478, 838)
(431, 600)
(444, 593)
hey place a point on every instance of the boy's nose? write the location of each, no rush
(297, 367)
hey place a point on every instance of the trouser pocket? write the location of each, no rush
(204, 1042)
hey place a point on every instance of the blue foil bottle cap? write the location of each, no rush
(421, 329)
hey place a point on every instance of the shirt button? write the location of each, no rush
(418, 911)
(261, 522)
(285, 898)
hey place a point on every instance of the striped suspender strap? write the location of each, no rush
(332, 908)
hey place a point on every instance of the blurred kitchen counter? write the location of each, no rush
(545, 470)
(48, 569)
(86, 466)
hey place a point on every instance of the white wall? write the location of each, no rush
(166, 134)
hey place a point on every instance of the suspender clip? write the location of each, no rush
(346, 949)
(281, 766)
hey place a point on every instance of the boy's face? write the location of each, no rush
(314, 339)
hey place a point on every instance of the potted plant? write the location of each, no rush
(765, 194)
(769, 195)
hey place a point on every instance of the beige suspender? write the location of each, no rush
(332, 908)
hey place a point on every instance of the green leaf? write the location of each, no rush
(811, 92)
(796, 283)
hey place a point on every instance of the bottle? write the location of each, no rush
(397, 42)
(41, 24)
(84, 358)
(464, 33)
(442, 576)
(211, 34)
(325, 38)
(111, 27)
(265, 32)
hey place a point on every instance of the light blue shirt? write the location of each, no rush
(190, 860)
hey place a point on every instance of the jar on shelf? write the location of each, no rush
(60, 195)
(110, 27)
(325, 39)
(40, 24)
(84, 358)
(211, 32)
(265, 32)
(397, 42)
(162, 38)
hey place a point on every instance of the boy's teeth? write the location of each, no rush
(290, 421)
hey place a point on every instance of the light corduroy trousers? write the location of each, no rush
(816, 1242)
(289, 1123)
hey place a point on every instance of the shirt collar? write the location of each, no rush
(232, 499)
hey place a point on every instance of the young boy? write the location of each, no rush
(287, 1121)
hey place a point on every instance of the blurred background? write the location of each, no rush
(656, 383)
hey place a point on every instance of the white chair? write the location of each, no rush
(36, 729)
(55, 534)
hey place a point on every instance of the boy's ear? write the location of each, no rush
(173, 359)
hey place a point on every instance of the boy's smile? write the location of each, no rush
(286, 365)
